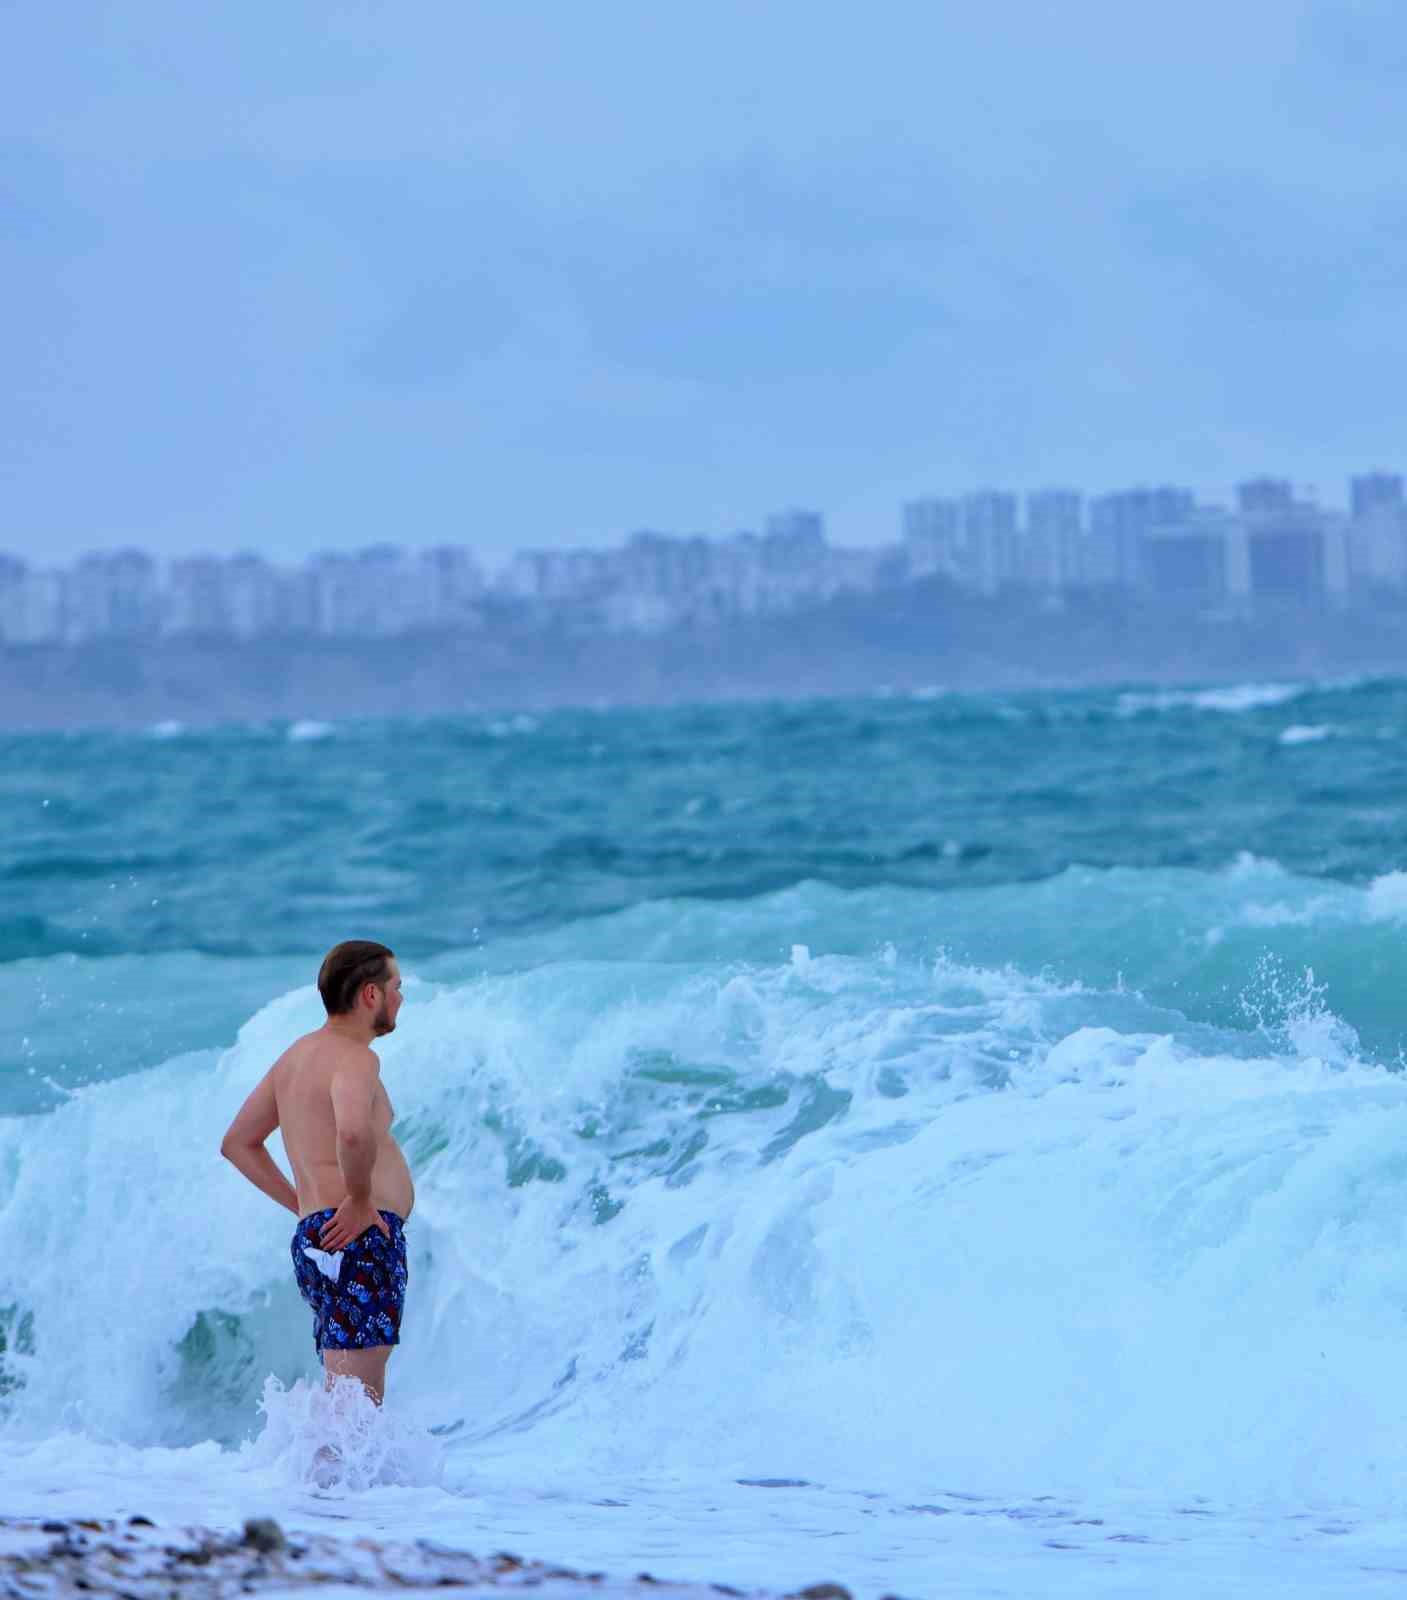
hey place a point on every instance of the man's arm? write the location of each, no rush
(244, 1144)
(353, 1094)
(353, 1090)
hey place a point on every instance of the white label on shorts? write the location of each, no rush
(329, 1264)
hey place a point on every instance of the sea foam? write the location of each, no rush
(334, 1438)
(1233, 698)
(866, 1217)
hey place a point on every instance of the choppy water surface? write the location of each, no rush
(890, 1092)
(245, 842)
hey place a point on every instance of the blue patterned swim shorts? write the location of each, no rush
(356, 1295)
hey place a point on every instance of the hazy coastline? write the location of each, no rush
(922, 637)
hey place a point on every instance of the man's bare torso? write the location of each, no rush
(302, 1082)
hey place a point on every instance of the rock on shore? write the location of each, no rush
(137, 1560)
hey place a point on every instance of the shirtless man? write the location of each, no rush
(351, 1187)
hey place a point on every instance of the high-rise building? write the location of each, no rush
(1375, 491)
(454, 584)
(932, 531)
(255, 598)
(337, 605)
(22, 609)
(737, 584)
(792, 553)
(795, 529)
(1259, 496)
(32, 606)
(554, 577)
(295, 599)
(1377, 549)
(656, 579)
(1294, 550)
(791, 557)
(195, 598)
(1117, 526)
(376, 591)
(1196, 559)
(988, 554)
(114, 592)
(1053, 547)
(1377, 536)
(663, 565)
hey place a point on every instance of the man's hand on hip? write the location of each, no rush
(351, 1219)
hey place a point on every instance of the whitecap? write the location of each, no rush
(1232, 698)
(1248, 864)
(307, 729)
(506, 727)
(1303, 733)
(1387, 898)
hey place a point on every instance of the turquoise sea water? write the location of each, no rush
(887, 1093)
(154, 888)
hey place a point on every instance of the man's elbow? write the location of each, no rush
(230, 1146)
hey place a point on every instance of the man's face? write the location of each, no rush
(388, 1003)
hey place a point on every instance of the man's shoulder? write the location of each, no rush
(324, 1050)
(305, 1049)
(347, 1055)
(326, 1054)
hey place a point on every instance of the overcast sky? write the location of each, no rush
(542, 272)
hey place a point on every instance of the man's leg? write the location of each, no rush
(367, 1365)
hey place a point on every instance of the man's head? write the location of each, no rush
(359, 978)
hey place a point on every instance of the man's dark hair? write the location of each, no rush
(345, 968)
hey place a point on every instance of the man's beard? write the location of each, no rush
(381, 1023)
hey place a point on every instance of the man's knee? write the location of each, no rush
(367, 1366)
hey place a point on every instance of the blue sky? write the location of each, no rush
(286, 277)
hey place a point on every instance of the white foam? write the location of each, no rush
(1302, 733)
(1386, 898)
(507, 727)
(827, 1218)
(1247, 865)
(1281, 914)
(336, 1439)
(307, 730)
(1233, 698)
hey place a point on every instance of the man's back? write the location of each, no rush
(306, 1081)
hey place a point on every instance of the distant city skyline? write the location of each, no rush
(496, 553)
(495, 558)
(284, 279)
(1043, 549)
